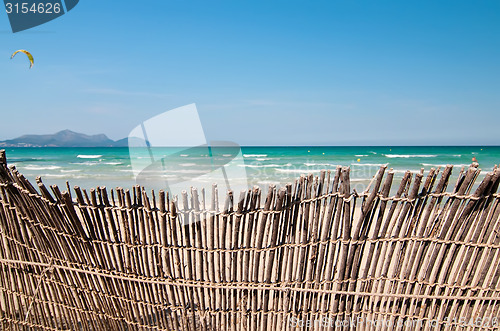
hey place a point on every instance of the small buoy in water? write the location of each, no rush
(323, 153)
(308, 151)
(359, 160)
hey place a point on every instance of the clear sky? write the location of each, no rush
(263, 72)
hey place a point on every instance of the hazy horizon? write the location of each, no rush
(346, 145)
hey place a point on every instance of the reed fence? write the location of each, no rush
(312, 255)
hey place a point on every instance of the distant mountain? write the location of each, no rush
(65, 138)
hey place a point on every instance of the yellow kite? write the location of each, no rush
(28, 54)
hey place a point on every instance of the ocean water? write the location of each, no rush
(182, 168)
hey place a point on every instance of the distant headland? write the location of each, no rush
(65, 138)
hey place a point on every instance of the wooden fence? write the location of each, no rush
(312, 255)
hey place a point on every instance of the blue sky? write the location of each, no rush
(263, 72)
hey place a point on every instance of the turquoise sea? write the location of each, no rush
(112, 167)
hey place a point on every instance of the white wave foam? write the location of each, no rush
(254, 155)
(187, 171)
(87, 163)
(168, 176)
(443, 165)
(187, 164)
(360, 155)
(83, 156)
(262, 165)
(406, 156)
(55, 175)
(319, 164)
(367, 164)
(112, 163)
(296, 171)
(32, 167)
